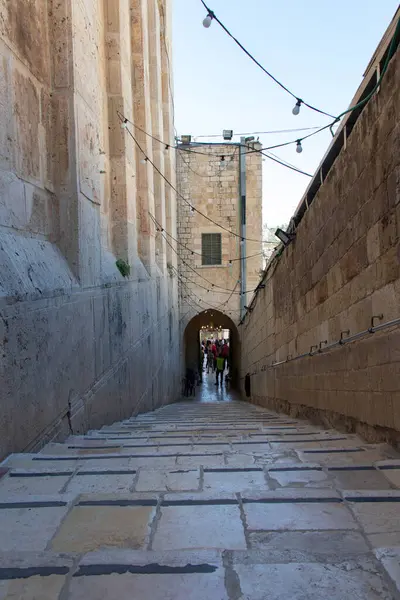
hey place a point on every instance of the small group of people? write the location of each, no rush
(216, 353)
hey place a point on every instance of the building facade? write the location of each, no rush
(210, 269)
(83, 342)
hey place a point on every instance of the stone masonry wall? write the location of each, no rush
(342, 269)
(211, 185)
(80, 345)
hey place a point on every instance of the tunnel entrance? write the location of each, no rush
(207, 325)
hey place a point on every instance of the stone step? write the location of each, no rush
(187, 503)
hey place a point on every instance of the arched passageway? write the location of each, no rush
(211, 320)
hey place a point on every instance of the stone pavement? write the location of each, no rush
(222, 501)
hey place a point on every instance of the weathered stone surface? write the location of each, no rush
(88, 528)
(313, 581)
(298, 516)
(29, 529)
(214, 531)
(78, 338)
(342, 268)
(167, 481)
(210, 526)
(45, 588)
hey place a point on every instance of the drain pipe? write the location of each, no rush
(242, 205)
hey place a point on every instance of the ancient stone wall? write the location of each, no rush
(342, 269)
(208, 178)
(80, 345)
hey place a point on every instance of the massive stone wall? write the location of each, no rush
(342, 269)
(211, 185)
(80, 345)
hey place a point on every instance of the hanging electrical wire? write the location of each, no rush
(198, 301)
(286, 164)
(125, 121)
(192, 208)
(211, 16)
(194, 252)
(220, 289)
(274, 131)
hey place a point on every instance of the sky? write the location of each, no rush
(319, 49)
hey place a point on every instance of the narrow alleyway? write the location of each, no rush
(202, 501)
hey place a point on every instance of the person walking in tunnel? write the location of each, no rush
(225, 352)
(210, 357)
(220, 364)
(214, 353)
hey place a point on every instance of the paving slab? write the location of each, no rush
(390, 559)
(206, 460)
(360, 479)
(201, 526)
(300, 581)
(28, 484)
(377, 511)
(102, 482)
(300, 478)
(192, 586)
(287, 515)
(30, 528)
(234, 481)
(239, 460)
(32, 588)
(168, 481)
(392, 475)
(88, 528)
(304, 546)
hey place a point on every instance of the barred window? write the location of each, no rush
(211, 249)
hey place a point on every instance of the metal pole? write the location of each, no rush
(242, 204)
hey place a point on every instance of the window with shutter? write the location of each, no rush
(211, 249)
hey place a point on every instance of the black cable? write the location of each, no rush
(230, 260)
(287, 165)
(213, 285)
(191, 293)
(213, 155)
(297, 98)
(275, 131)
(184, 199)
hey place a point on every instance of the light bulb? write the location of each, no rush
(242, 242)
(207, 21)
(299, 147)
(296, 108)
(124, 125)
(143, 161)
(192, 209)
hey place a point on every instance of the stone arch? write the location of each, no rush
(191, 347)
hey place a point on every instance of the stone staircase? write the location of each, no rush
(196, 501)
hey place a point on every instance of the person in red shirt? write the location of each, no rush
(214, 353)
(225, 352)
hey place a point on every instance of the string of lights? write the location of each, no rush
(298, 141)
(125, 121)
(356, 106)
(211, 16)
(274, 159)
(274, 131)
(192, 208)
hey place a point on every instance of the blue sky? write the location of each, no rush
(318, 49)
